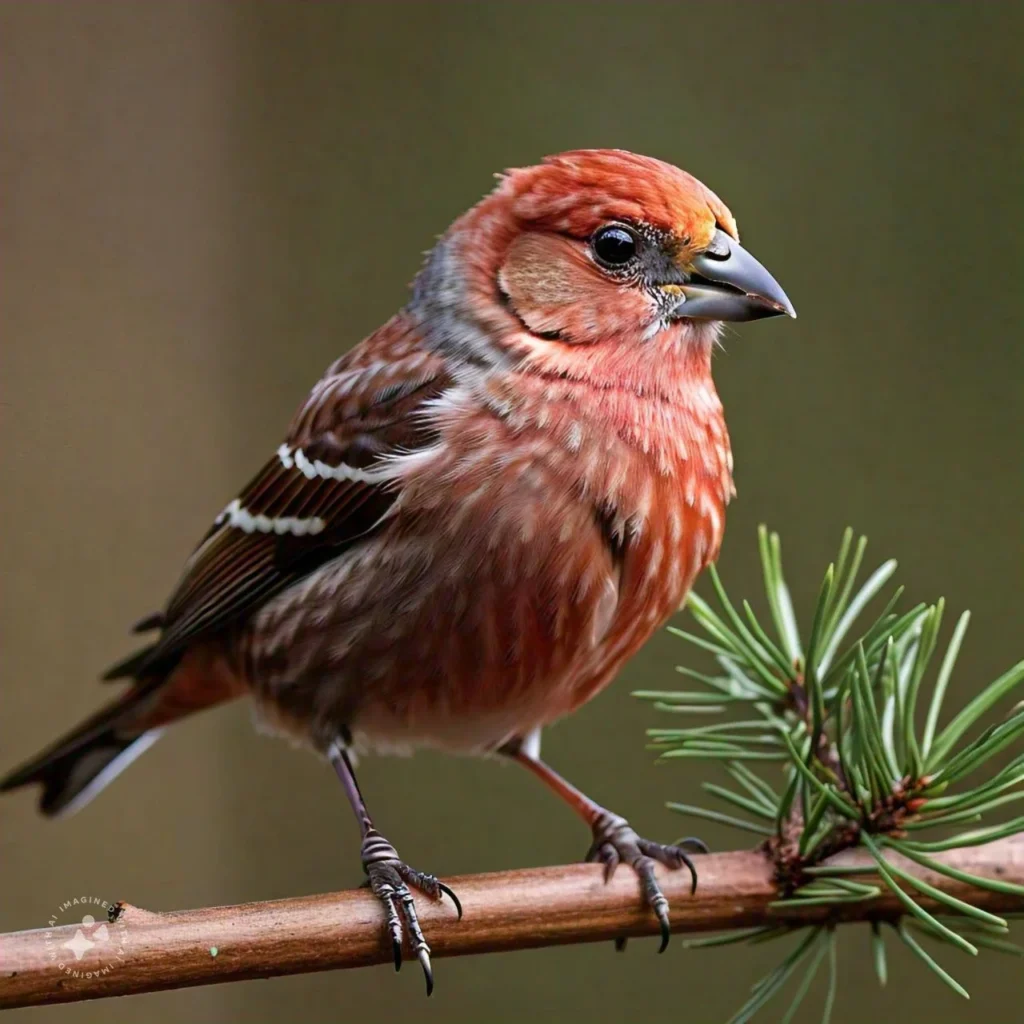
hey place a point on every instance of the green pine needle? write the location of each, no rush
(770, 984)
(839, 719)
(718, 816)
(904, 933)
(731, 938)
(878, 953)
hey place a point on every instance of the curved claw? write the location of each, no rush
(693, 871)
(661, 910)
(698, 845)
(451, 895)
(620, 943)
(423, 955)
(396, 949)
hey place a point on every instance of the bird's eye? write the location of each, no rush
(614, 246)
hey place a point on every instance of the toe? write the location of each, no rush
(606, 854)
(673, 857)
(416, 937)
(429, 885)
(383, 887)
(655, 898)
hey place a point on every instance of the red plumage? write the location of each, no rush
(487, 506)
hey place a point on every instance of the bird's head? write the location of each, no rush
(597, 244)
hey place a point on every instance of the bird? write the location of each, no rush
(477, 515)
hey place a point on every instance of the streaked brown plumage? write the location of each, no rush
(481, 511)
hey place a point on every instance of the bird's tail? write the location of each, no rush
(75, 768)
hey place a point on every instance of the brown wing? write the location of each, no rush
(327, 487)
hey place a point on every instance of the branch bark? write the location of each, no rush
(503, 911)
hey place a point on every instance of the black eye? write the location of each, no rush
(614, 246)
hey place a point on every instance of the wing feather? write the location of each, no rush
(327, 487)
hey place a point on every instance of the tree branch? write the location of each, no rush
(503, 911)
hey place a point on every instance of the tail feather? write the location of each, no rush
(150, 622)
(81, 763)
(131, 667)
(71, 780)
(75, 768)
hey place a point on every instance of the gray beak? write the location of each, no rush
(727, 283)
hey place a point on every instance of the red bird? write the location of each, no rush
(478, 514)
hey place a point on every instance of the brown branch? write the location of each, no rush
(508, 910)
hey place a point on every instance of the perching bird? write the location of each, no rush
(478, 514)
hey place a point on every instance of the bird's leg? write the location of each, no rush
(615, 841)
(388, 876)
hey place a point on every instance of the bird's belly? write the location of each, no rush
(479, 711)
(411, 642)
(419, 703)
(462, 640)
(379, 729)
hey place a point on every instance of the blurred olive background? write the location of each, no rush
(203, 204)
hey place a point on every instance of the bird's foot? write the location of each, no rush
(616, 842)
(390, 879)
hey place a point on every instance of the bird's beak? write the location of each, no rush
(727, 283)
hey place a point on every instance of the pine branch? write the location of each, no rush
(837, 722)
(503, 911)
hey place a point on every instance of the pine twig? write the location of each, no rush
(837, 722)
